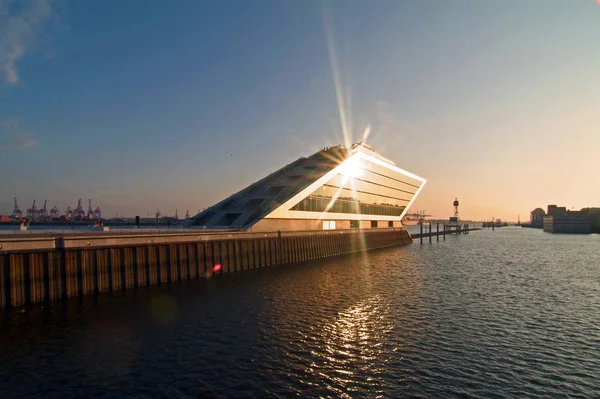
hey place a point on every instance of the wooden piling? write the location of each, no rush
(163, 268)
(184, 265)
(152, 265)
(82, 266)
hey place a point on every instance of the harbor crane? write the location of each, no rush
(32, 212)
(90, 213)
(79, 212)
(17, 212)
(43, 212)
(54, 213)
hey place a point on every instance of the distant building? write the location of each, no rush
(537, 217)
(335, 188)
(560, 220)
(574, 223)
(594, 214)
(554, 210)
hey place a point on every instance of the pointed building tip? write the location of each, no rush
(362, 144)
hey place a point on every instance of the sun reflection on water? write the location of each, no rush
(354, 347)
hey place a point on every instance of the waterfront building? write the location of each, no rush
(594, 214)
(537, 217)
(335, 188)
(573, 223)
(554, 210)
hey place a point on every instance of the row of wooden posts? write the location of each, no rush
(33, 276)
(446, 229)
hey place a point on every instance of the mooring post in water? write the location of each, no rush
(430, 232)
(421, 232)
(437, 232)
(444, 231)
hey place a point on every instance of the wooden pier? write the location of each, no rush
(45, 268)
(445, 230)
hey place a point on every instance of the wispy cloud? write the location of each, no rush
(13, 137)
(17, 140)
(21, 22)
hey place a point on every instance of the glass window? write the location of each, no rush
(364, 188)
(327, 204)
(377, 186)
(375, 172)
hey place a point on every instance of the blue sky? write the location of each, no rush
(153, 104)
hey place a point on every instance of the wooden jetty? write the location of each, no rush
(445, 230)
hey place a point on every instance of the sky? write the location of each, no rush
(146, 105)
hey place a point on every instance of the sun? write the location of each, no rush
(352, 168)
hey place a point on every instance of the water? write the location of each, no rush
(509, 313)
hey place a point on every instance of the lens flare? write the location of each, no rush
(352, 169)
(342, 99)
(367, 131)
(217, 268)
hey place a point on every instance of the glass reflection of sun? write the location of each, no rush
(352, 168)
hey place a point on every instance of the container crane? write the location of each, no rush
(98, 213)
(17, 212)
(79, 212)
(90, 213)
(32, 212)
(43, 212)
(54, 213)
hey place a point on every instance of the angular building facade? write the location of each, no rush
(335, 188)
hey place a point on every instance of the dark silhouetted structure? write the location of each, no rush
(537, 217)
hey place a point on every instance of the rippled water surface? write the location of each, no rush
(509, 313)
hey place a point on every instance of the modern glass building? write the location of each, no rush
(335, 188)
